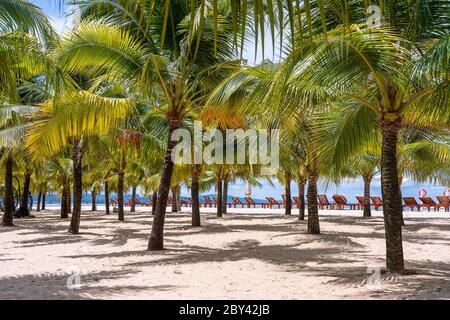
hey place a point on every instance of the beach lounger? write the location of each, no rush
(251, 202)
(272, 202)
(207, 201)
(411, 203)
(113, 202)
(429, 203)
(297, 201)
(323, 202)
(186, 203)
(376, 202)
(444, 201)
(237, 202)
(361, 201)
(341, 202)
(142, 203)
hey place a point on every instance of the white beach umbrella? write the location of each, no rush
(248, 189)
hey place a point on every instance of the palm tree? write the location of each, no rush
(71, 117)
(60, 170)
(395, 86)
(297, 127)
(131, 54)
(375, 70)
(135, 173)
(40, 180)
(21, 58)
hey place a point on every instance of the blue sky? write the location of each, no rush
(348, 188)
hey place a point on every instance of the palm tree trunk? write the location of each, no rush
(133, 199)
(94, 200)
(64, 204)
(156, 241)
(179, 198)
(313, 212)
(195, 199)
(107, 196)
(77, 187)
(225, 195)
(43, 200)
(392, 205)
(9, 194)
(121, 215)
(38, 206)
(23, 209)
(174, 200)
(219, 194)
(154, 201)
(366, 210)
(69, 198)
(287, 192)
(301, 200)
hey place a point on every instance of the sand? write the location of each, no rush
(244, 255)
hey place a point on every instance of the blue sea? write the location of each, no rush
(349, 189)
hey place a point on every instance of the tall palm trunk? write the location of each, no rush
(174, 200)
(366, 210)
(156, 241)
(154, 201)
(195, 198)
(9, 194)
(301, 200)
(287, 192)
(225, 195)
(392, 206)
(313, 212)
(94, 200)
(179, 199)
(77, 186)
(107, 196)
(23, 209)
(219, 195)
(121, 215)
(64, 204)
(43, 200)
(133, 199)
(69, 198)
(38, 205)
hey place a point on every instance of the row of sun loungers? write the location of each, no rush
(340, 202)
(377, 202)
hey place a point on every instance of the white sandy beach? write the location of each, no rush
(245, 255)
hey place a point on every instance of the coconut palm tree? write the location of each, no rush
(130, 53)
(21, 58)
(395, 78)
(40, 180)
(60, 170)
(71, 116)
(375, 70)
